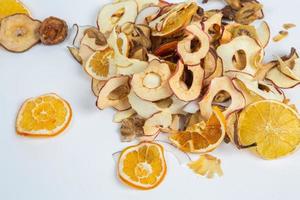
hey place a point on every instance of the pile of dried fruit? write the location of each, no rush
(19, 31)
(197, 76)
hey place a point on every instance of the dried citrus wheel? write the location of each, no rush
(202, 137)
(142, 166)
(10, 7)
(97, 66)
(273, 126)
(46, 115)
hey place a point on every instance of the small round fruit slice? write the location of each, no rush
(46, 115)
(142, 166)
(273, 126)
(202, 137)
(11, 7)
(19, 32)
(97, 66)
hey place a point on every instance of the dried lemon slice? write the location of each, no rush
(46, 115)
(273, 126)
(10, 7)
(142, 166)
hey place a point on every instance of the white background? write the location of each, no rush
(78, 163)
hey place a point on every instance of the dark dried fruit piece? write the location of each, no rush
(248, 13)
(53, 31)
(19, 32)
(131, 128)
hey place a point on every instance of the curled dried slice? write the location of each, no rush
(94, 39)
(98, 67)
(264, 34)
(221, 84)
(96, 86)
(147, 14)
(75, 53)
(250, 12)
(79, 33)
(243, 43)
(53, 31)
(122, 115)
(124, 102)
(292, 70)
(184, 48)
(85, 52)
(180, 89)
(19, 32)
(206, 165)
(213, 26)
(216, 73)
(113, 92)
(152, 84)
(281, 80)
(281, 35)
(153, 125)
(115, 14)
(142, 4)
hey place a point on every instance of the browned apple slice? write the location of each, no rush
(221, 84)
(113, 92)
(152, 84)
(19, 32)
(180, 89)
(185, 50)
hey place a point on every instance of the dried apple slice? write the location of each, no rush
(116, 14)
(191, 107)
(213, 26)
(124, 102)
(221, 84)
(94, 39)
(217, 72)
(97, 86)
(292, 71)
(180, 89)
(152, 84)
(113, 92)
(184, 46)
(242, 43)
(281, 80)
(153, 125)
(121, 115)
(19, 32)
(147, 14)
(85, 53)
(263, 34)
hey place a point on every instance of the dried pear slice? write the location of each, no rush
(94, 39)
(147, 14)
(179, 87)
(291, 71)
(19, 32)
(221, 84)
(97, 86)
(108, 96)
(85, 53)
(124, 102)
(122, 115)
(79, 33)
(213, 26)
(217, 72)
(153, 125)
(281, 80)
(142, 4)
(152, 84)
(250, 47)
(264, 34)
(116, 14)
(184, 46)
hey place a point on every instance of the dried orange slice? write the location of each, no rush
(142, 166)
(97, 66)
(10, 7)
(46, 115)
(202, 137)
(273, 127)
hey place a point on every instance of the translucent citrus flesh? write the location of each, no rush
(202, 137)
(99, 63)
(273, 126)
(10, 7)
(44, 115)
(142, 166)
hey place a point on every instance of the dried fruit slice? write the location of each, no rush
(122, 115)
(94, 39)
(19, 32)
(202, 137)
(131, 128)
(142, 166)
(250, 48)
(221, 84)
(79, 33)
(11, 7)
(184, 46)
(147, 14)
(292, 71)
(264, 34)
(217, 72)
(154, 124)
(146, 3)
(98, 67)
(152, 84)
(116, 14)
(206, 165)
(213, 26)
(281, 80)
(273, 126)
(43, 116)
(97, 86)
(180, 89)
(75, 53)
(113, 92)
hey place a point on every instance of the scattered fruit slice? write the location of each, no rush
(273, 126)
(142, 166)
(202, 137)
(280, 79)
(206, 165)
(153, 125)
(11, 7)
(43, 116)
(19, 32)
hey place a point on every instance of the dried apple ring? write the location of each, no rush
(184, 46)
(152, 84)
(217, 85)
(179, 87)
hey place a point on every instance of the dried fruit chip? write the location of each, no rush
(43, 116)
(11, 7)
(142, 166)
(131, 128)
(288, 26)
(272, 126)
(53, 31)
(19, 32)
(206, 165)
(281, 35)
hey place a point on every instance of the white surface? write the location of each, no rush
(78, 163)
